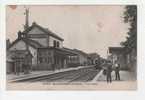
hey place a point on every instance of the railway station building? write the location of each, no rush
(45, 47)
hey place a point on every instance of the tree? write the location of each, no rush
(130, 16)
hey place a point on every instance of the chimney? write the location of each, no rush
(19, 35)
(26, 19)
(8, 43)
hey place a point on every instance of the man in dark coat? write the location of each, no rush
(108, 72)
(117, 69)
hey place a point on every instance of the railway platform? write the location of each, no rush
(35, 74)
(124, 76)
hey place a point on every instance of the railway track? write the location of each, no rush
(80, 75)
(86, 76)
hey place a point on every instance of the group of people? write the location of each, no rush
(110, 68)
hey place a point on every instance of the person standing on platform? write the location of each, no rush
(117, 69)
(108, 72)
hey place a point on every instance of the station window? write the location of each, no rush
(54, 43)
(58, 44)
(40, 60)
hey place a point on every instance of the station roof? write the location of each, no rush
(30, 42)
(45, 30)
(61, 51)
(116, 49)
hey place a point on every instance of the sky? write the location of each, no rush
(87, 28)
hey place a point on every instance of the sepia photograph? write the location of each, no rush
(71, 47)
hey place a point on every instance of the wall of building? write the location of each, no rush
(36, 30)
(34, 54)
(121, 59)
(78, 60)
(45, 60)
(39, 36)
(10, 67)
(72, 61)
(82, 59)
(42, 41)
(42, 37)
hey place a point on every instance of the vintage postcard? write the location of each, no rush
(71, 47)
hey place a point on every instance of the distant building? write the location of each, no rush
(125, 57)
(118, 54)
(82, 57)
